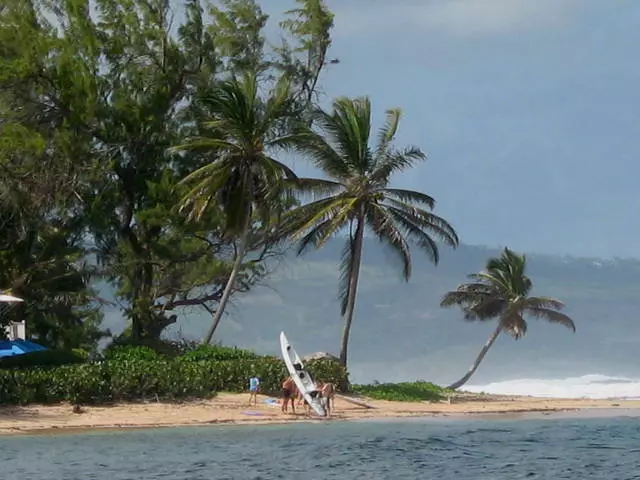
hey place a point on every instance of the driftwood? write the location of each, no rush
(355, 401)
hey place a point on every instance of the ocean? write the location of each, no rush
(594, 386)
(554, 447)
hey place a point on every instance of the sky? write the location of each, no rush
(529, 112)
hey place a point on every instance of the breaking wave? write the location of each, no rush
(587, 386)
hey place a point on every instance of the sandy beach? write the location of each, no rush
(227, 408)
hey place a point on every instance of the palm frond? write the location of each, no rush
(313, 236)
(334, 210)
(416, 234)
(494, 279)
(477, 303)
(205, 144)
(322, 154)
(387, 133)
(551, 316)
(543, 302)
(460, 298)
(346, 265)
(278, 106)
(315, 187)
(406, 196)
(394, 162)
(278, 169)
(426, 220)
(348, 126)
(383, 225)
(514, 324)
(210, 171)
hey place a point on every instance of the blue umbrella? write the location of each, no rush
(9, 348)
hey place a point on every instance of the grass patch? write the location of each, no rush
(403, 392)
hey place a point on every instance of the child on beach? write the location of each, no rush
(254, 388)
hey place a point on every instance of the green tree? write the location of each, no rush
(503, 291)
(42, 159)
(242, 176)
(358, 195)
(100, 91)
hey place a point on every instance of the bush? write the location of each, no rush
(134, 374)
(402, 392)
(218, 353)
(45, 358)
(131, 352)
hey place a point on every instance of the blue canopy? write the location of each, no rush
(9, 348)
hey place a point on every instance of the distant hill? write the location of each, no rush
(400, 332)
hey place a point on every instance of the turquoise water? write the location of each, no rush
(443, 449)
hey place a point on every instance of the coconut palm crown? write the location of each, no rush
(357, 195)
(242, 177)
(503, 291)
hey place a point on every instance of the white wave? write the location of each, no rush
(587, 386)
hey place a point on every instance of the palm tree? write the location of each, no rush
(502, 291)
(357, 195)
(242, 177)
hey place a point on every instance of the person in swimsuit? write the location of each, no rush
(289, 391)
(254, 388)
(327, 396)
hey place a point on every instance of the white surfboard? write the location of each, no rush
(301, 377)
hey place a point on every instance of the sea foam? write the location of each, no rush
(587, 386)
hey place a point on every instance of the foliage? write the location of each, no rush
(129, 377)
(403, 392)
(91, 98)
(358, 195)
(131, 353)
(45, 358)
(243, 178)
(503, 291)
(208, 352)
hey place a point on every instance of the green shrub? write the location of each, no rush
(134, 374)
(219, 353)
(131, 352)
(402, 392)
(163, 347)
(44, 358)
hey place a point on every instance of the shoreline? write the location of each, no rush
(227, 409)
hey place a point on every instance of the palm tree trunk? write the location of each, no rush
(353, 287)
(476, 364)
(226, 294)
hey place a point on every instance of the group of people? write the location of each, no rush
(291, 393)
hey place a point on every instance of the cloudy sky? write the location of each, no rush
(529, 112)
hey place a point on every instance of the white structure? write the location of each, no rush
(15, 330)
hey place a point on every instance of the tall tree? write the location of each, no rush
(42, 161)
(103, 89)
(242, 176)
(503, 291)
(358, 195)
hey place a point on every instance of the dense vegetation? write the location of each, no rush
(148, 155)
(139, 373)
(403, 392)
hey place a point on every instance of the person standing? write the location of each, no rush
(288, 394)
(254, 388)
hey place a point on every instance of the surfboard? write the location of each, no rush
(301, 377)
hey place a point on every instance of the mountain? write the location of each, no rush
(401, 333)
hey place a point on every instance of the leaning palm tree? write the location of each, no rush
(357, 194)
(242, 177)
(502, 291)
